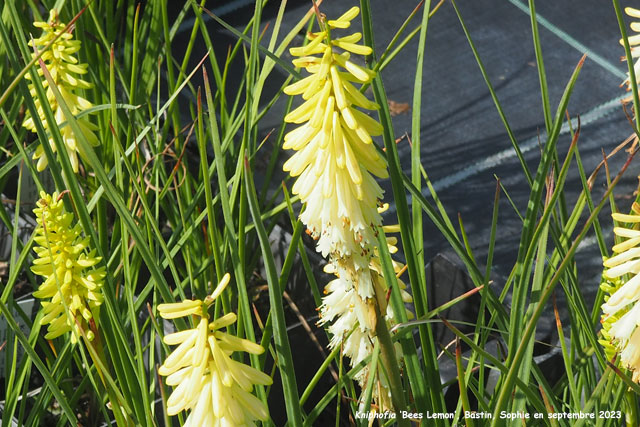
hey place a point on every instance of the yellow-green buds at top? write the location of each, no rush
(64, 69)
(213, 386)
(609, 287)
(335, 157)
(622, 309)
(71, 281)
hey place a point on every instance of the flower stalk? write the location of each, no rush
(390, 364)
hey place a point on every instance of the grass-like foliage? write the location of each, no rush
(152, 199)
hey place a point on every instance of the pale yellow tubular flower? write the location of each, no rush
(180, 309)
(335, 161)
(64, 68)
(352, 325)
(215, 388)
(72, 283)
(634, 44)
(621, 310)
(352, 319)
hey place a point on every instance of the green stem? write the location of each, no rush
(461, 383)
(390, 363)
(631, 413)
(99, 360)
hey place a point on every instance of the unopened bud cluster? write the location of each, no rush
(72, 284)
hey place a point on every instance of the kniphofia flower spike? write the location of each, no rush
(335, 164)
(634, 43)
(335, 159)
(621, 309)
(208, 382)
(64, 68)
(64, 260)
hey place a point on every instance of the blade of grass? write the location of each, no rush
(250, 41)
(51, 383)
(417, 285)
(285, 360)
(542, 75)
(461, 384)
(507, 386)
(494, 96)
(527, 240)
(416, 161)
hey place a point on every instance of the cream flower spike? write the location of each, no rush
(335, 159)
(352, 319)
(208, 382)
(634, 44)
(64, 69)
(621, 310)
(67, 266)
